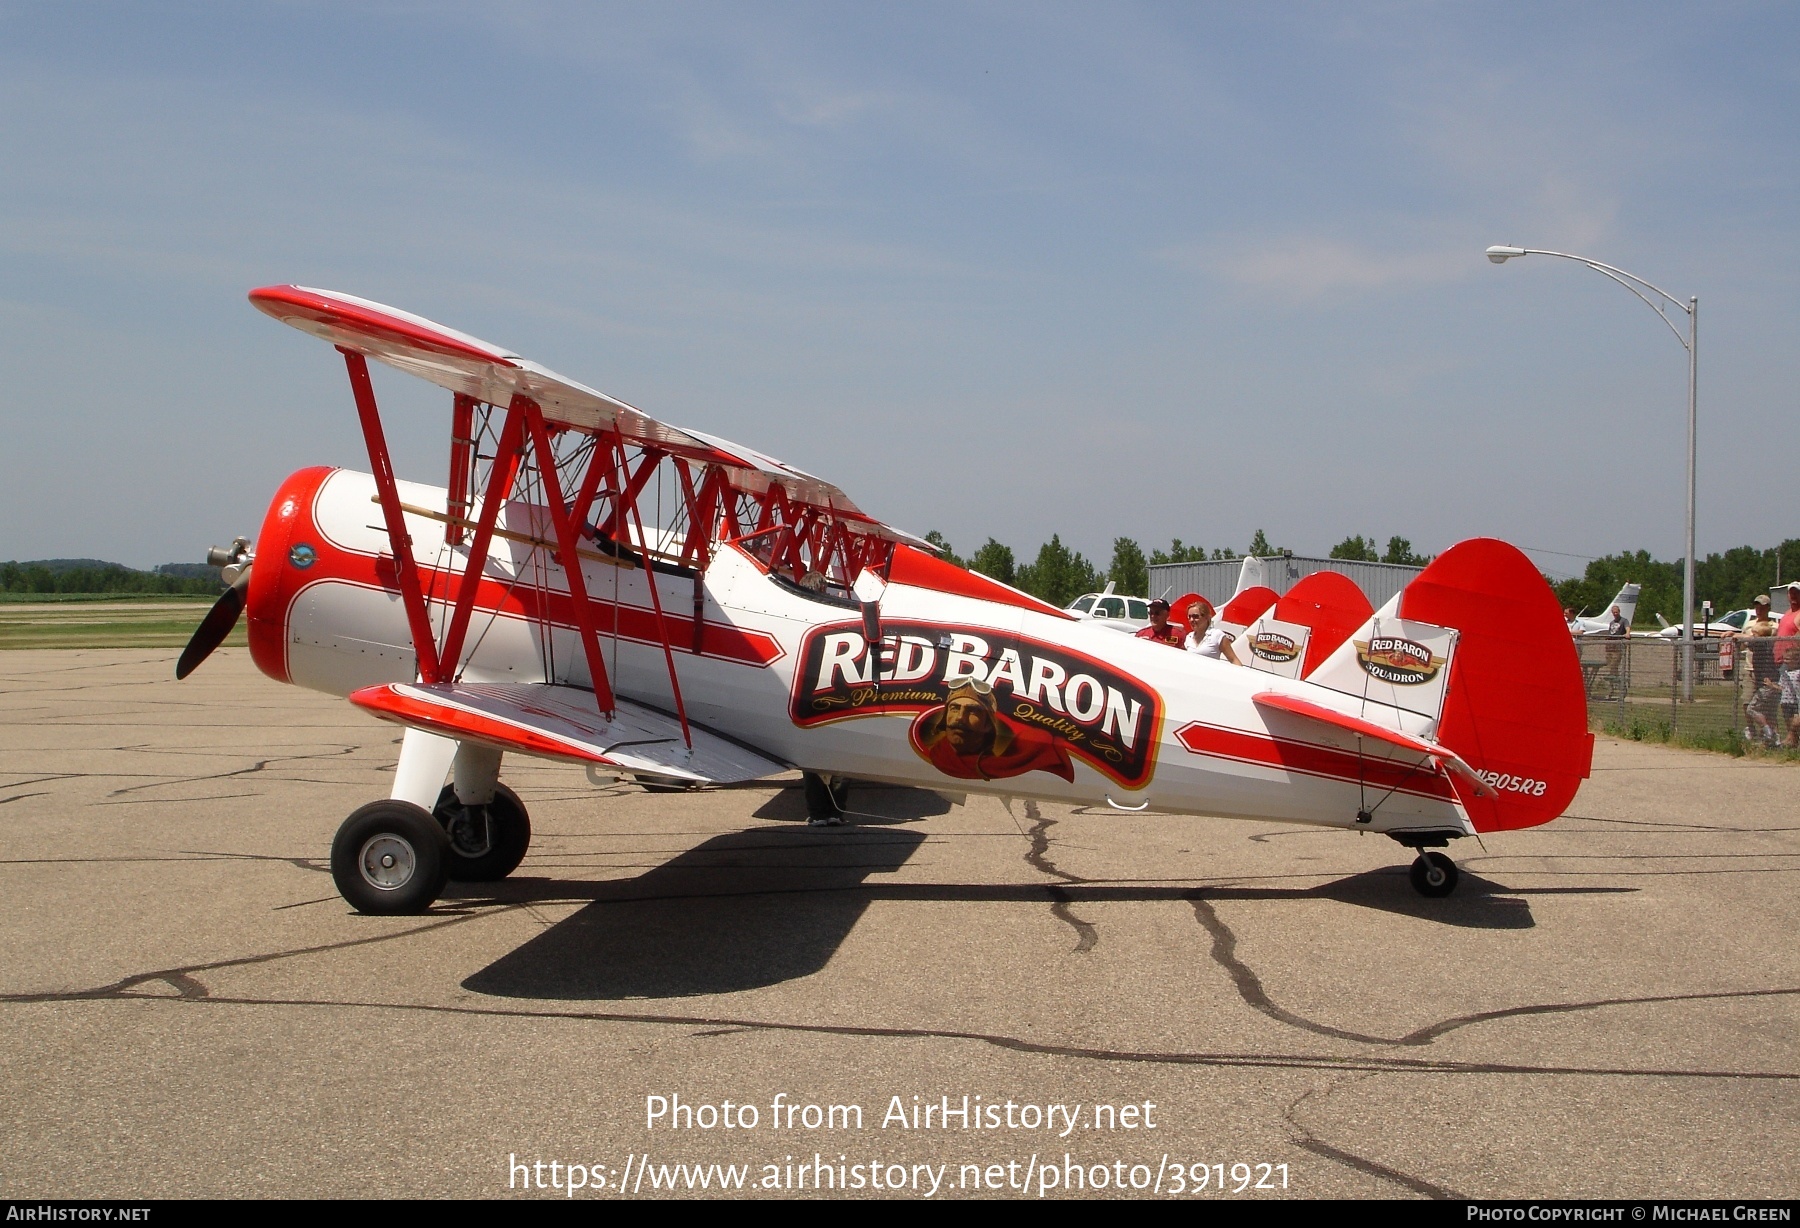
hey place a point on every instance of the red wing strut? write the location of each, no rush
(586, 461)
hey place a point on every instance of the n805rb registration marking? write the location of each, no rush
(1506, 782)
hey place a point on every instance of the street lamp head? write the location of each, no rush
(1500, 255)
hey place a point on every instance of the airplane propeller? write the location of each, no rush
(234, 565)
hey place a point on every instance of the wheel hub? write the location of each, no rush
(387, 862)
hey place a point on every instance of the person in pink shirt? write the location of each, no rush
(1789, 627)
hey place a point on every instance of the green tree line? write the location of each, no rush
(96, 577)
(1730, 580)
(1058, 574)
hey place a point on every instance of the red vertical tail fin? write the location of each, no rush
(1515, 708)
(1331, 605)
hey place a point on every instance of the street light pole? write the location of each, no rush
(1690, 343)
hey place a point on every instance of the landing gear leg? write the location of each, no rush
(1434, 875)
(825, 799)
(487, 841)
(487, 824)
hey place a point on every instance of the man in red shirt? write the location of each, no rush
(1161, 629)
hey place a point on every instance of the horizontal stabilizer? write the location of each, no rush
(1369, 729)
(559, 722)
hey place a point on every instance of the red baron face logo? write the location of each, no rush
(1273, 646)
(1399, 661)
(988, 705)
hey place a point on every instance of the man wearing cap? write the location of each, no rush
(1161, 629)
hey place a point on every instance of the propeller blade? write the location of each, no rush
(215, 626)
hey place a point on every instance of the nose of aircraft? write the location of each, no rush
(234, 565)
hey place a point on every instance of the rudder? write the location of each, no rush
(1515, 708)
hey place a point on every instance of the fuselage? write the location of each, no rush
(978, 688)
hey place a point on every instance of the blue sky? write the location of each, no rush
(1148, 270)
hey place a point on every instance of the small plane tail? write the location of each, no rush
(1250, 574)
(1475, 653)
(1332, 606)
(1626, 601)
(1514, 708)
(1662, 622)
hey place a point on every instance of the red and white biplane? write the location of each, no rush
(595, 586)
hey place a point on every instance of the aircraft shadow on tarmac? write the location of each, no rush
(737, 912)
(773, 904)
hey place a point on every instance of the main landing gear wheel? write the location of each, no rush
(485, 843)
(825, 800)
(1434, 875)
(390, 858)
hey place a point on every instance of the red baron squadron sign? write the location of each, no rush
(1274, 646)
(989, 705)
(1398, 660)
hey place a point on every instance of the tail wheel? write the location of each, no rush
(484, 843)
(1434, 875)
(389, 858)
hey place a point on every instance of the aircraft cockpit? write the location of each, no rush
(816, 586)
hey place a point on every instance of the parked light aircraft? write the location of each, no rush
(1625, 603)
(536, 604)
(1729, 624)
(1110, 609)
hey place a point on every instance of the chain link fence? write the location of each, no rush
(1635, 690)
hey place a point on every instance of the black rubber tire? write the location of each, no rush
(661, 784)
(509, 836)
(825, 802)
(1434, 875)
(416, 851)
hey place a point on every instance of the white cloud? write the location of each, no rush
(1307, 268)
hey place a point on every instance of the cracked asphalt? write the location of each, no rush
(1606, 1008)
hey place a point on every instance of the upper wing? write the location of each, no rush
(491, 373)
(559, 722)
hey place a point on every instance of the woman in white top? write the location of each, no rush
(1204, 638)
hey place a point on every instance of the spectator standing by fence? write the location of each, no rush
(1761, 671)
